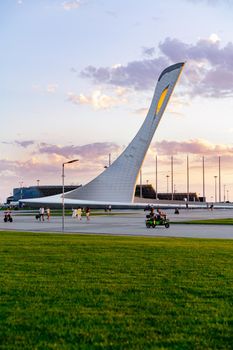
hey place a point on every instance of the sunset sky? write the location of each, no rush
(77, 78)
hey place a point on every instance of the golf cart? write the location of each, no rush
(156, 220)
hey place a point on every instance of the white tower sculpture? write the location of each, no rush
(117, 183)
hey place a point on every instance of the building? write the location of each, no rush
(38, 191)
(147, 192)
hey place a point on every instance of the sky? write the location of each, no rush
(78, 76)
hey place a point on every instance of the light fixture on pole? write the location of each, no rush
(215, 188)
(63, 190)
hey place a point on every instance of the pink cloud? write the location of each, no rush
(198, 147)
(90, 151)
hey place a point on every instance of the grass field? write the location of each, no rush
(101, 292)
(221, 221)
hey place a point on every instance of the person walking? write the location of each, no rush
(41, 211)
(79, 213)
(87, 211)
(48, 213)
(74, 213)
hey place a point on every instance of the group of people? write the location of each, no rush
(159, 214)
(43, 212)
(77, 213)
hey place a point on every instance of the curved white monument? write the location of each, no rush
(117, 183)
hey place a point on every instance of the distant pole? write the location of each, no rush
(215, 188)
(167, 176)
(227, 195)
(63, 191)
(219, 179)
(109, 159)
(156, 176)
(224, 193)
(203, 177)
(172, 186)
(38, 182)
(187, 178)
(140, 183)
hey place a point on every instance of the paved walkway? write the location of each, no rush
(129, 223)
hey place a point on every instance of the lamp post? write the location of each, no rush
(63, 190)
(187, 178)
(215, 188)
(224, 193)
(167, 176)
(109, 161)
(38, 182)
(172, 185)
(203, 178)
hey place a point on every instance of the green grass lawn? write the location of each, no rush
(101, 292)
(227, 221)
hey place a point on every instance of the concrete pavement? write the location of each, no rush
(129, 223)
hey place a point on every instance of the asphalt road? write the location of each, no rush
(127, 223)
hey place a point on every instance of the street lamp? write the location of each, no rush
(215, 188)
(63, 190)
(167, 176)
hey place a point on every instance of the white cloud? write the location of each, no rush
(141, 111)
(71, 5)
(97, 100)
(8, 173)
(120, 91)
(52, 88)
(117, 65)
(214, 38)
